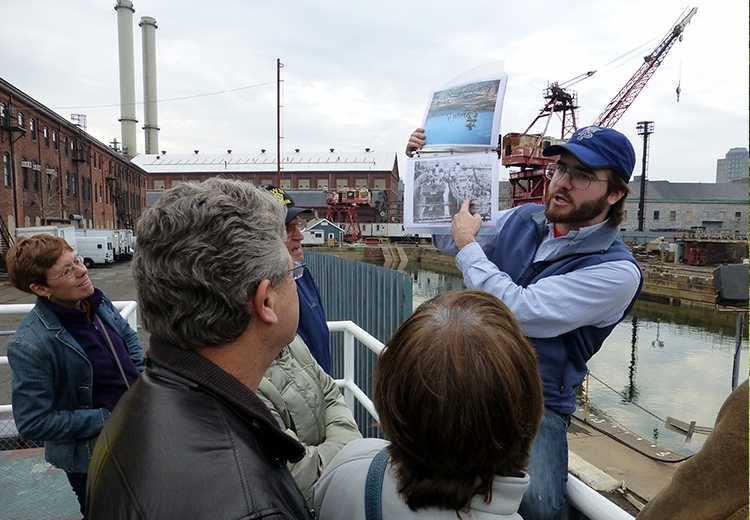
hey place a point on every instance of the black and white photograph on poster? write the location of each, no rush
(466, 115)
(436, 187)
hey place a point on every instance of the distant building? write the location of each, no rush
(733, 167)
(320, 231)
(55, 172)
(305, 176)
(674, 206)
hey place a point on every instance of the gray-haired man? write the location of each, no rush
(191, 439)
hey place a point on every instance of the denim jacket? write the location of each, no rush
(52, 383)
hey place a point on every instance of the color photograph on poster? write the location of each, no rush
(466, 115)
(435, 188)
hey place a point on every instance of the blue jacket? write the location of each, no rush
(52, 384)
(312, 327)
(562, 359)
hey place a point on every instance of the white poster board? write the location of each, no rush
(435, 188)
(466, 114)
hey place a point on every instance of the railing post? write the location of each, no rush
(348, 368)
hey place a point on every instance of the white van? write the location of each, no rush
(95, 250)
(66, 232)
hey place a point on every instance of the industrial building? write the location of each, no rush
(307, 176)
(676, 206)
(55, 172)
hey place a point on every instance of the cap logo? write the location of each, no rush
(281, 195)
(587, 132)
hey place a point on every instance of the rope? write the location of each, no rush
(626, 398)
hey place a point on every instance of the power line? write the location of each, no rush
(79, 107)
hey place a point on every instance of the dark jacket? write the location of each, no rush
(562, 360)
(312, 327)
(189, 440)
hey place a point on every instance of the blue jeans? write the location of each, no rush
(548, 469)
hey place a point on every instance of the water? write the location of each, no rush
(660, 361)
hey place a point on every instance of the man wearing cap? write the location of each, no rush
(312, 327)
(566, 275)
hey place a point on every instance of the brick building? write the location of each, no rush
(55, 172)
(305, 176)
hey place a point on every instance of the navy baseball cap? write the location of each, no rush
(599, 147)
(291, 210)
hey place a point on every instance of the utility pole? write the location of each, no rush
(279, 66)
(645, 129)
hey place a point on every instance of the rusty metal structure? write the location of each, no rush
(342, 209)
(523, 151)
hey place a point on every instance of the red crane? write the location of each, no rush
(524, 150)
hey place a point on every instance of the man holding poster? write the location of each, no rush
(566, 275)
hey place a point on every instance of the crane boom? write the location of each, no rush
(622, 101)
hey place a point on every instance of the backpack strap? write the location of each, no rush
(374, 486)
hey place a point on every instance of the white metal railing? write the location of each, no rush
(351, 390)
(579, 495)
(582, 497)
(127, 310)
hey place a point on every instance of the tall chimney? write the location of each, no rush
(128, 121)
(150, 115)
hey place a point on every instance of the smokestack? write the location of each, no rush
(128, 121)
(150, 115)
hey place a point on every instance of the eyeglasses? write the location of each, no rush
(298, 270)
(579, 179)
(71, 269)
(301, 225)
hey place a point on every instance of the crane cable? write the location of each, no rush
(679, 73)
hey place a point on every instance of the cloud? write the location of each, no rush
(359, 75)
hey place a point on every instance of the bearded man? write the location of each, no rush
(566, 275)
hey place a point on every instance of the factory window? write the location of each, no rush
(737, 215)
(656, 215)
(36, 180)
(21, 121)
(379, 184)
(6, 169)
(360, 183)
(55, 144)
(689, 216)
(322, 184)
(65, 146)
(25, 175)
(4, 115)
(73, 185)
(672, 216)
(266, 181)
(625, 214)
(49, 182)
(285, 184)
(176, 183)
(722, 215)
(45, 135)
(342, 183)
(158, 185)
(303, 184)
(32, 129)
(67, 183)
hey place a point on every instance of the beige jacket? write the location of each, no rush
(308, 405)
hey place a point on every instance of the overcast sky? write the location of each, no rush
(360, 74)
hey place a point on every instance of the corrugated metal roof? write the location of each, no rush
(266, 162)
(692, 191)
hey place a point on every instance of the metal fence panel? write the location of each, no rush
(376, 299)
